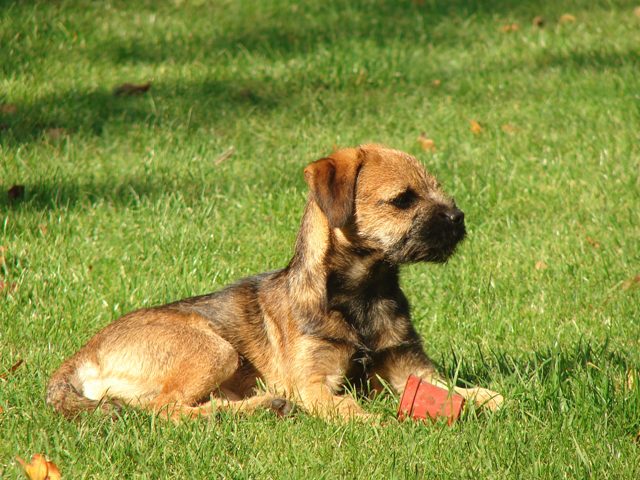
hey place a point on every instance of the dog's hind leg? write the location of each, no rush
(148, 358)
(177, 411)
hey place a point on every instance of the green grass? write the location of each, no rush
(128, 208)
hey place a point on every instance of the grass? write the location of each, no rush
(126, 207)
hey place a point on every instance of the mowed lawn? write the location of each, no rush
(134, 201)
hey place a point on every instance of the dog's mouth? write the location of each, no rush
(443, 239)
(433, 241)
(441, 245)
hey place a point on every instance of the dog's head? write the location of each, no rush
(384, 201)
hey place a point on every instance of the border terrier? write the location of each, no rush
(334, 314)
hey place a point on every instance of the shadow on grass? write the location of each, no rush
(280, 35)
(90, 112)
(307, 28)
(555, 364)
(283, 33)
(596, 60)
(55, 195)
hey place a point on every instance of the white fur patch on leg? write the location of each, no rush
(97, 384)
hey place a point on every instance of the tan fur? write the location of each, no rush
(335, 311)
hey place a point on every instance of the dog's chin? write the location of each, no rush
(431, 250)
(439, 255)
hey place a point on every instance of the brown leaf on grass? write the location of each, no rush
(476, 128)
(8, 108)
(127, 89)
(1, 410)
(225, 156)
(636, 11)
(16, 192)
(55, 133)
(436, 83)
(427, 144)
(633, 282)
(566, 18)
(541, 265)
(43, 229)
(508, 128)
(39, 468)
(592, 241)
(3, 250)
(13, 368)
(510, 27)
(538, 21)
(8, 288)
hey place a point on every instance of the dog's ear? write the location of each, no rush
(332, 182)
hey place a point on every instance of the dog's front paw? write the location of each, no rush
(486, 398)
(281, 407)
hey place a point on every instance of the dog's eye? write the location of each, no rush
(405, 200)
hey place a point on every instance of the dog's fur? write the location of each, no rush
(335, 313)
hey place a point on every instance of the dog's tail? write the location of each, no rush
(64, 394)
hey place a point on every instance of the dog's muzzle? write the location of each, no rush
(433, 238)
(441, 234)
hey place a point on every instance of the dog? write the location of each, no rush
(334, 314)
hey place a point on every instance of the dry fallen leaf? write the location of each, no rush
(53, 472)
(55, 133)
(8, 108)
(132, 89)
(16, 192)
(593, 365)
(36, 469)
(8, 288)
(538, 21)
(632, 282)
(475, 127)
(1, 410)
(636, 11)
(436, 83)
(39, 468)
(224, 156)
(13, 368)
(508, 128)
(510, 27)
(3, 250)
(43, 229)
(541, 265)
(567, 18)
(427, 144)
(593, 242)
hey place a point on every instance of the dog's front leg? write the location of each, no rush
(398, 363)
(318, 398)
(320, 373)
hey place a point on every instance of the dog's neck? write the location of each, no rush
(328, 264)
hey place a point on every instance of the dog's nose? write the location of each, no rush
(453, 215)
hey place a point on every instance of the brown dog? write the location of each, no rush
(335, 312)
